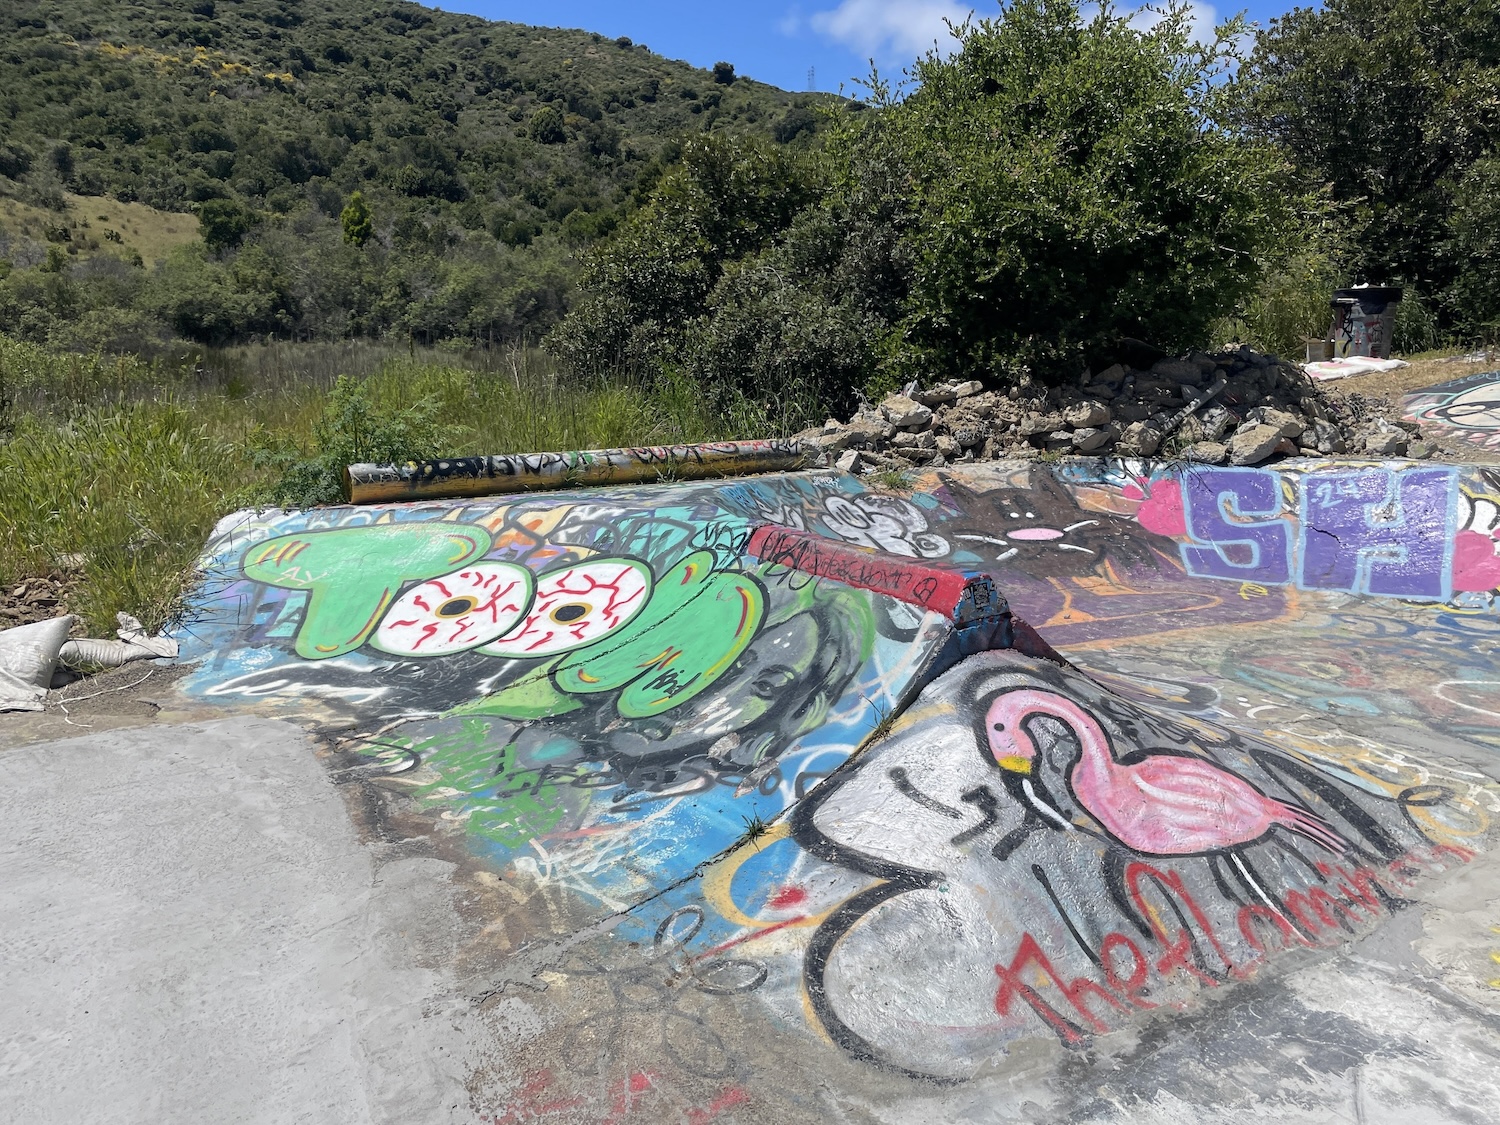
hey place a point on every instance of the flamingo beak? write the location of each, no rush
(1015, 763)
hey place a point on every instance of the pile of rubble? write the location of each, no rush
(1235, 407)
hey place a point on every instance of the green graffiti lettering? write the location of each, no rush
(351, 574)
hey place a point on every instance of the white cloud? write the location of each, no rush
(891, 29)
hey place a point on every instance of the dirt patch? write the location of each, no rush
(1388, 388)
(132, 696)
(1422, 373)
(38, 599)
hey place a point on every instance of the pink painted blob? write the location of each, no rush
(1165, 804)
(1032, 533)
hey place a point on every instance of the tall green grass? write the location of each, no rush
(127, 464)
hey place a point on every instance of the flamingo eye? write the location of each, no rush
(999, 726)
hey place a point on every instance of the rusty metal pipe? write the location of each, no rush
(524, 472)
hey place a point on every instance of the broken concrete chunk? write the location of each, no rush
(848, 461)
(1090, 439)
(1034, 423)
(866, 428)
(1252, 444)
(905, 413)
(1088, 413)
(935, 396)
(1208, 452)
(1178, 371)
(969, 389)
(1138, 440)
(1392, 443)
(1286, 423)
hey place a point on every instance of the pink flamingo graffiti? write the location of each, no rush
(1163, 804)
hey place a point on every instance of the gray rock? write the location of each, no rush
(869, 429)
(985, 405)
(1286, 423)
(1034, 423)
(968, 436)
(1391, 443)
(1128, 410)
(1312, 408)
(1058, 441)
(1114, 375)
(904, 413)
(1204, 362)
(848, 461)
(1208, 452)
(1215, 422)
(826, 439)
(1422, 450)
(936, 396)
(1138, 440)
(1091, 439)
(1087, 414)
(1328, 438)
(947, 447)
(1252, 444)
(969, 389)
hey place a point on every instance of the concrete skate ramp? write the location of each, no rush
(1020, 863)
(613, 682)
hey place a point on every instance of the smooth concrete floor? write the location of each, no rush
(190, 931)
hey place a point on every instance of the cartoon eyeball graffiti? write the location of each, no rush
(576, 607)
(456, 612)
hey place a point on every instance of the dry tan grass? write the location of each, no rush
(152, 233)
(1424, 371)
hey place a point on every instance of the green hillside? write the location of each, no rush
(489, 153)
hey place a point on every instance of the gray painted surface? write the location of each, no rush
(193, 933)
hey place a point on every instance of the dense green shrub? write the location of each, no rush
(1050, 186)
(1074, 182)
(1391, 103)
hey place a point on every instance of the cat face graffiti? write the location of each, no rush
(1041, 531)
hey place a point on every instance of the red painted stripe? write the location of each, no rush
(907, 580)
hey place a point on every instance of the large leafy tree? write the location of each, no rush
(1052, 185)
(1076, 181)
(1389, 103)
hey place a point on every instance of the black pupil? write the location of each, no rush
(570, 612)
(455, 607)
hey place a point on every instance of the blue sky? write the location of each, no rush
(777, 41)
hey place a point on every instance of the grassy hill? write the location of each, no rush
(490, 153)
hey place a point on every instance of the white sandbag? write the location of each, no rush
(28, 655)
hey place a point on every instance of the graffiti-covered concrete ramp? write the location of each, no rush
(764, 803)
(618, 682)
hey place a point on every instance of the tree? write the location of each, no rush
(547, 126)
(724, 73)
(359, 223)
(1048, 188)
(223, 223)
(1076, 181)
(1389, 103)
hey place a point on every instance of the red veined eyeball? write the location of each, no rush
(457, 611)
(576, 606)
